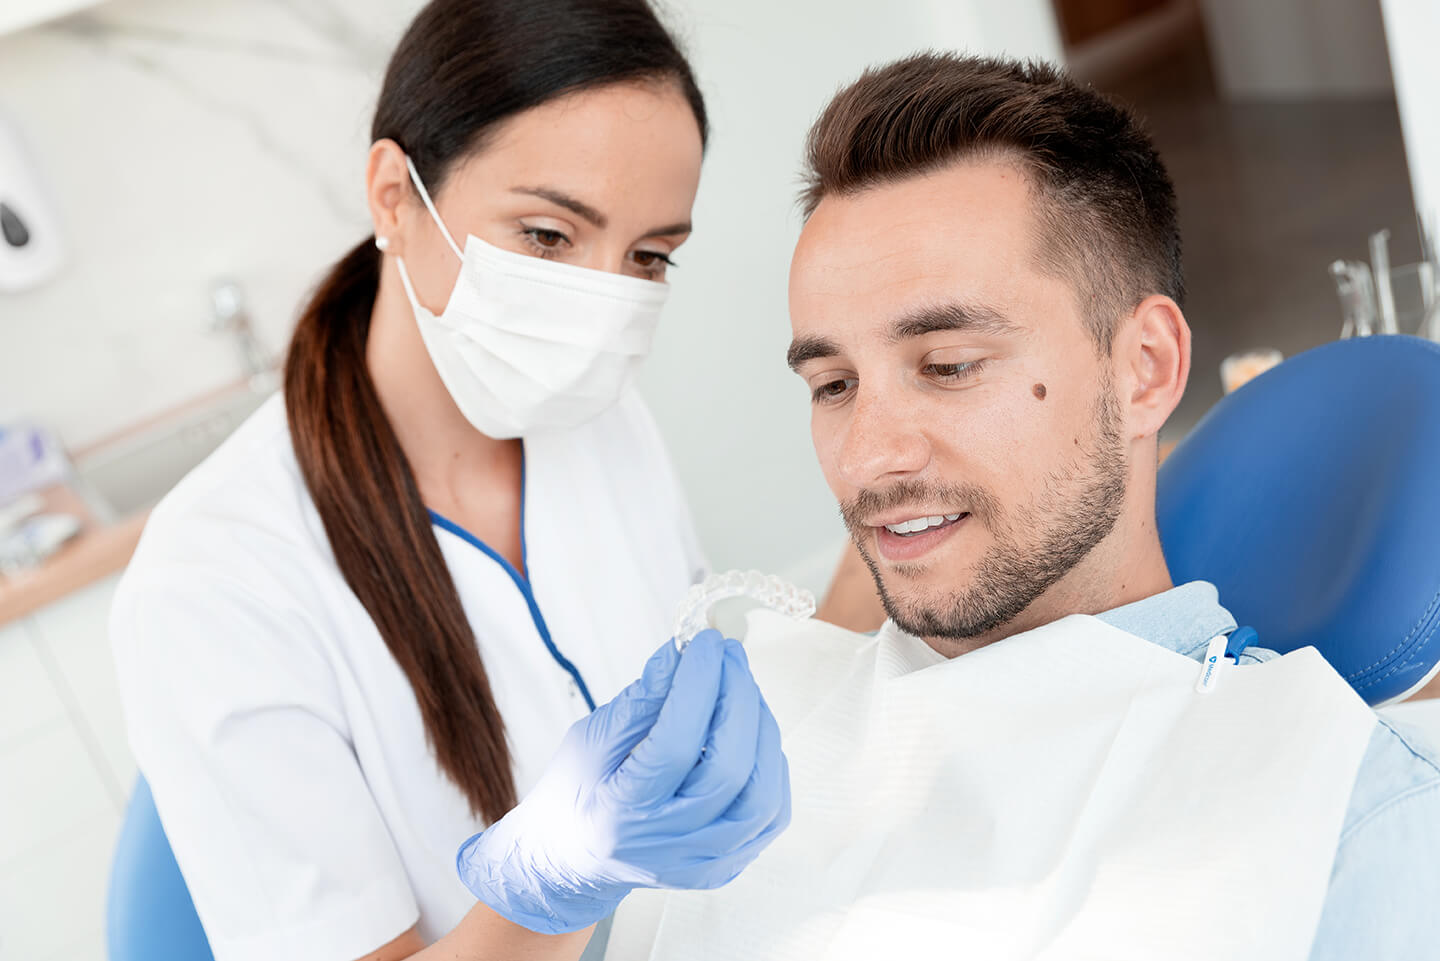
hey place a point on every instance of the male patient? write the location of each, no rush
(985, 304)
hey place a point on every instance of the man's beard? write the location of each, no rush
(1076, 509)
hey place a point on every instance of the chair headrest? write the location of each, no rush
(1311, 498)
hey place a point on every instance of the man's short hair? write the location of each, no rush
(1105, 205)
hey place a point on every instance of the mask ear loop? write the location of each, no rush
(430, 206)
(434, 215)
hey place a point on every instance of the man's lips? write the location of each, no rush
(910, 516)
(911, 545)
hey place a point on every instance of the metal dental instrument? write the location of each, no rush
(1430, 324)
(1384, 291)
(1357, 297)
(693, 614)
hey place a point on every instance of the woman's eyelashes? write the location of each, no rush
(651, 263)
(544, 242)
(547, 242)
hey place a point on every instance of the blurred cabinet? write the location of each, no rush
(65, 772)
(75, 634)
(1299, 49)
(1082, 20)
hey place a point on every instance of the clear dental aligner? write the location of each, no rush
(694, 612)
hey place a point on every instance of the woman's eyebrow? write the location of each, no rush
(562, 199)
(578, 207)
(682, 227)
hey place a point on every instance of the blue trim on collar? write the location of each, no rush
(523, 585)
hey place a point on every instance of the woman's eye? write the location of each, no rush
(546, 240)
(833, 390)
(652, 263)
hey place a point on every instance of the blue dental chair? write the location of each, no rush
(1310, 497)
(149, 914)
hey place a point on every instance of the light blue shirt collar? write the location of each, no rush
(1182, 619)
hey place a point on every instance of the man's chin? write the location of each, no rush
(928, 584)
(908, 573)
(935, 596)
(933, 612)
(956, 625)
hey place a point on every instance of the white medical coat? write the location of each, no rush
(284, 745)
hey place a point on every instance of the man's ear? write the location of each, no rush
(1153, 360)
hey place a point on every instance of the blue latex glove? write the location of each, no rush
(679, 782)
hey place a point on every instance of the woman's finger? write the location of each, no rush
(729, 756)
(660, 763)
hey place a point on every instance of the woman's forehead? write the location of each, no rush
(624, 150)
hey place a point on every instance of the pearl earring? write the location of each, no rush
(382, 243)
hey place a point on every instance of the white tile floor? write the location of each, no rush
(65, 773)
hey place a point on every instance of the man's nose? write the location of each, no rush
(882, 441)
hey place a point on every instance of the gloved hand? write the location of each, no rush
(679, 782)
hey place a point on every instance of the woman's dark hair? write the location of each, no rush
(462, 67)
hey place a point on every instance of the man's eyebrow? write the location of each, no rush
(561, 199)
(953, 316)
(804, 349)
(933, 318)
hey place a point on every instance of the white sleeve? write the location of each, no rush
(235, 720)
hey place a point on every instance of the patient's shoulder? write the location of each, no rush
(1399, 764)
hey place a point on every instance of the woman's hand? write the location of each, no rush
(678, 782)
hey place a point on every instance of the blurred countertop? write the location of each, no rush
(116, 481)
(99, 550)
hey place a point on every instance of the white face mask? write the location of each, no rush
(527, 344)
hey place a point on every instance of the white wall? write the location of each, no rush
(185, 141)
(1412, 28)
(1294, 49)
(193, 139)
(17, 14)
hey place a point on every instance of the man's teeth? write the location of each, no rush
(920, 524)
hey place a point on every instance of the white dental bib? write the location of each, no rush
(1063, 794)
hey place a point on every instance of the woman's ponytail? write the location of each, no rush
(381, 535)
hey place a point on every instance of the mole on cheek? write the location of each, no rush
(1039, 391)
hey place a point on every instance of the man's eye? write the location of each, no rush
(833, 390)
(951, 372)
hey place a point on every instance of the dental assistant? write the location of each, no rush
(356, 634)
